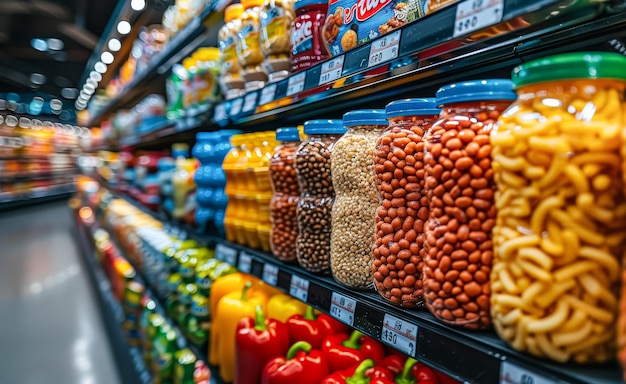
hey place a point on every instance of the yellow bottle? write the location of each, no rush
(184, 187)
(234, 165)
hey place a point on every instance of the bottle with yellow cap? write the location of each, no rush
(249, 46)
(231, 82)
(207, 72)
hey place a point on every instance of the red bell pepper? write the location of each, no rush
(258, 341)
(343, 351)
(394, 363)
(363, 373)
(314, 329)
(303, 365)
(415, 372)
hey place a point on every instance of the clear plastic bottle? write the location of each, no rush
(249, 46)
(231, 82)
(276, 19)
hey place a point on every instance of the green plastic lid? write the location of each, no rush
(568, 66)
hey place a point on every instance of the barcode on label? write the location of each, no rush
(331, 70)
(400, 334)
(267, 94)
(384, 49)
(270, 274)
(226, 254)
(472, 15)
(296, 84)
(245, 263)
(299, 288)
(342, 308)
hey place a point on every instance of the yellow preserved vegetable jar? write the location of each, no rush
(561, 220)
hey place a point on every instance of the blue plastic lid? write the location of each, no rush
(287, 134)
(412, 107)
(305, 3)
(365, 117)
(205, 136)
(476, 90)
(228, 132)
(324, 127)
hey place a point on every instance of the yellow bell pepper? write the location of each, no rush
(226, 284)
(281, 307)
(231, 308)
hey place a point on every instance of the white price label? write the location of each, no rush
(331, 70)
(472, 15)
(235, 107)
(296, 84)
(400, 334)
(267, 94)
(226, 254)
(342, 308)
(249, 102)
(245, 263)
(514, 374)
(384, 49)
(220, 113)
(270, 274)
(299, 288)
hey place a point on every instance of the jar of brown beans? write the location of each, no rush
(313, 167)
(356, 198)
(403, 206)
(460, 188)
(286, 195)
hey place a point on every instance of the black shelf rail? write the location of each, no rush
(474, 357)
(36, 198)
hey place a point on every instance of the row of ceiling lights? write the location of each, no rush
(106, 58)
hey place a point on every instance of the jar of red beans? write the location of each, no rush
(460, 188)
(313, 159)
(403, 209)
(286, 194)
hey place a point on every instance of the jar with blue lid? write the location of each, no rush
(460, 187)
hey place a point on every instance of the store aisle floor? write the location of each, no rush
(50, 326)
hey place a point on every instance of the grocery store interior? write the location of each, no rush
(313, 191)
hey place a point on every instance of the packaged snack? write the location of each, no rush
(307, 47)
(231, 82)
(351, 23)
(276, 19)
(249, 46)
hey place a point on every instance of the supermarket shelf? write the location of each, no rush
(6, 205)
(30, 176)
(468, 356)
(128, 358)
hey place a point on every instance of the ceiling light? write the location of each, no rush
(83, 97)
(114, 45)
(56, 104)
(95, 76)
(100, 67)
(39, 44)
(92, 82)
(123, 27)
(88, 91)
(55, 44)
(107, 57)
(89, 87)
(69, 93)
(138, 5)
(37, 78)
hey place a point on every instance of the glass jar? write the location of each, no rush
(312, 162)
(307, 46)
(249, 46)
(276, 19)
(356, 198)
(403, 205)
(286, 194)
(460, 187)
(561, 223)
(231, 82)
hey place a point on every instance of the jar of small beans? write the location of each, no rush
(460, 188)
(356, 198)
(399, 252)
(286, 195)
(561, 221)
(313, 168)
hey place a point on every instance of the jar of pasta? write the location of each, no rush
(356, 198)
(249, 46)
(231, 82)
(561, 222)
(399, 252)
(286, 195)
(276, 19)
(460, 188)
(313, 167)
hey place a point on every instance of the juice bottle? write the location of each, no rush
(184, 189)
(234, 165)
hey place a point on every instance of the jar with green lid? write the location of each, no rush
(561, 222)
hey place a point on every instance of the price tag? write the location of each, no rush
(299, 288)
(514, 374)
(220, 113)
(331, 70)
(270, 274)
(296, 84)
(235, 107)
(472, 15)
(245, 263)
(267, 94)
(384, 49)
(226, 254)
(342, 308)
(249, 102)
(400, 334)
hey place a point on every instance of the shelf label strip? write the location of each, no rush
(270, 274)
(400, 334)
(342, 308)
(267, 94)
(514, 374)
(384, 49)
(299, 288)
(226, 254)
(296, 83)
(245, 263)
(472, 15)
(331, 70)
